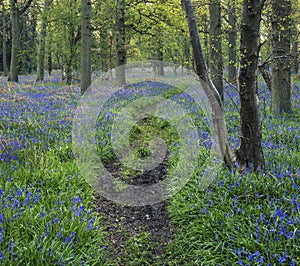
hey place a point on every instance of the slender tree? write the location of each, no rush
(86, 39)
(250, 150)
(295, 53)
(263, 69)
(49, 53)
(74, 37)
(210, 89)
(215, 33)
(205, 23)
(4, 50)
(15, 44)
(42, 42)
(120, 43)
(160, 57)
(232, 38)
(281, 64)
(295, 17)
(64, 33)
(15, 13)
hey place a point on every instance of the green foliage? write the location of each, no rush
(64, 32)
(55, 222)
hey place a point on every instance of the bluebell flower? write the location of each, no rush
(47, 228)
(90, 225)
(2, 256)
(1, 234)
(80, 210)
(240, 262)
(11, 247)
(250, 256)
(77, 200)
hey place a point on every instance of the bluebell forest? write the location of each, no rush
(160, 132)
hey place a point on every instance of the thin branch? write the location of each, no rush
(27, 5)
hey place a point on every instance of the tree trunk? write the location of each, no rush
(232, 37)
(15, 13)
(105, 48)
(210, 90)
(120, 43)
(160, 67)
(4, 50)
(215, 59)
(295, 56)
(263, 68)
(250, 152)
(295, 38)
(69, 72)
(281, 64)
(86, 39)
(42, 41)
(49, 63)
(49, 53)
(15, 42)
(205, 22)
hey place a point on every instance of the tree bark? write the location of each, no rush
(42, 41)
(68, 70)
(15, 13)
(205, 22)
(250, 151)
(295, 55)
(232, 37)
(210, 90)
(105, 49)
(49, 63)
(295, 37)
(160, 67)
(15, 42)
(215, 59)
(263, 69)
(4, 50)
(86, 39)
(281, 63)
(120, 43)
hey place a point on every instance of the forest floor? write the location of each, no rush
(50, 215)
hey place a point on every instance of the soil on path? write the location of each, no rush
(123, 222)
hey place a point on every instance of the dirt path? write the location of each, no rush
(123, 222)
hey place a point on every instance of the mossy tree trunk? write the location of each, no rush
(281, 63)
(250, 151)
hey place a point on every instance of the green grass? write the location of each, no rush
(53, 219)
(138, 250)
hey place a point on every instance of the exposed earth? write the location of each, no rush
(122, 222)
